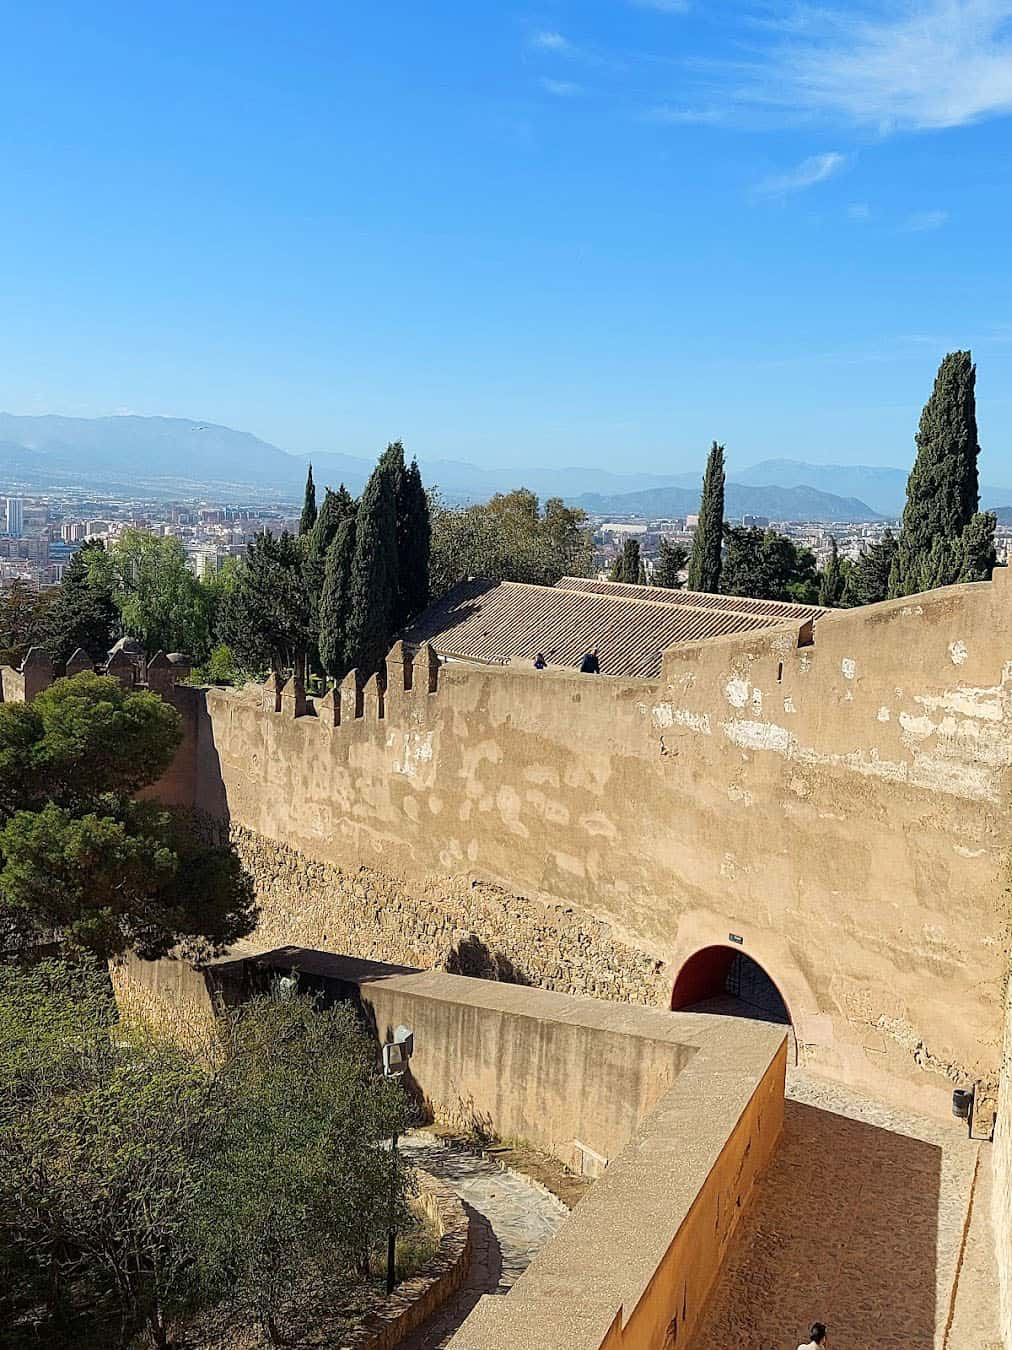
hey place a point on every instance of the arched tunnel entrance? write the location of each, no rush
(728, 982)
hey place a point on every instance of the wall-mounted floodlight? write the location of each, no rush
(397, 1052)
(963, 1101)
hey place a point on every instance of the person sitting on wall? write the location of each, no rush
(589, 664)
(817, 1334)
(539, 662)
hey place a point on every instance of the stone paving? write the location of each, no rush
(511, 1220)
(859, 1224)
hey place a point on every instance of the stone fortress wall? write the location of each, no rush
(842, 807)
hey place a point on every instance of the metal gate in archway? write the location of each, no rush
(746, 980)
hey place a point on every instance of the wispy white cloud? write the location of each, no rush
(914, 66)
(814, 169)
(561, 88)
(667, 114)
(919, 221)
(860, 211)
(547, 40)
(663, 6)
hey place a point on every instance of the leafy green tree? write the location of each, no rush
(215, 585)
(308, 517)
(943, 489)
(23, 618)
(332, 1188)
(868, 579)
(219, 668)
(414, 545)
(373, 579)
(508, 538)
(831, 579)
(707, 542)
(161, 602)
(84, 612)
(335, 602)
(84, 738)
(133, 1187)
(767, 565)
(628, 566)
(266, 617)
(672, 560)
(102, 1148)
(78, 858)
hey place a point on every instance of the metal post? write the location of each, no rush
(391, 1231)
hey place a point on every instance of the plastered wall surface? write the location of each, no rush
(1002, 1192)
(842, 808)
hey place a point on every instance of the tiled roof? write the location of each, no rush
(508, 622)
(776, 610)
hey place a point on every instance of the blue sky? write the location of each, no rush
(599, 232)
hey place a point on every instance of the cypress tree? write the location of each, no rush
(831, 580)
(372, 586)
(308, 517)
(335, 601)
(868, 579)
(671, 561)
(704, 565)
(628, 566)
(943, 488)
(337, 506)
(977, 558)
(414, 543)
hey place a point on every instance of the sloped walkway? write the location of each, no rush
(511, 1220)
(859, 1223)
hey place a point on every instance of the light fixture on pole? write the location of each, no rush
(396, 1054)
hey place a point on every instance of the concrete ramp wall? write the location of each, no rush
(680, 1111)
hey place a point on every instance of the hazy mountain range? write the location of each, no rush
(170, 457)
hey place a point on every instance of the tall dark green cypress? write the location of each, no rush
(337, 506)
(705, 562)
(943, 490)
(308, 518)
(372, 586)
(628, 566)
(671, 561)
(868, 579)
(831, 578)
(414, 543)
(335, 602)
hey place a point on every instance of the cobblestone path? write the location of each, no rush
(510, 1222)
(859, 1224)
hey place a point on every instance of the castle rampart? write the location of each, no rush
(840, 807)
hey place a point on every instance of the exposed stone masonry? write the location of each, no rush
(470, 928)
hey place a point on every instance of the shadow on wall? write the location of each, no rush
(844, 1229)
(209, 793)
(471, 956)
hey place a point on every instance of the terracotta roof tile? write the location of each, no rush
(509, 622)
